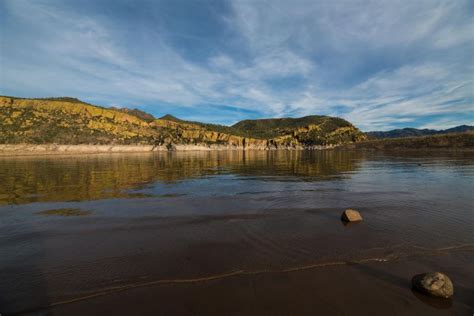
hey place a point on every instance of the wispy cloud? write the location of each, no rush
(379, 64)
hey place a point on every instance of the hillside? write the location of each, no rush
(68, 121)
(413, 132)
(272, 127)
(71, 121)
(451, 141)
(306, 129)
(138, 113)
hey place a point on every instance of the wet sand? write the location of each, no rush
(371, 288)
(220, 234)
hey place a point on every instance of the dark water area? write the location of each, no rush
(234, 233)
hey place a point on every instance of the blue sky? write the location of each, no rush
(379, 64)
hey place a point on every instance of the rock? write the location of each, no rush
(351, 215)
(434, 284)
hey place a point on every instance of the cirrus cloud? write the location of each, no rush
(379, 64)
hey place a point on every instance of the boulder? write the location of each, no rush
(434, 284)
(351, 215)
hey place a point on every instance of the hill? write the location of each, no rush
(71, 121)
(307, 129)
(169, 117)
(68, 121)
(138, 113)
(413, 132)
(451, 141)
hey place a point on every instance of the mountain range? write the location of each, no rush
(414, 132)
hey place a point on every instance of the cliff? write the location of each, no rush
(69, 121)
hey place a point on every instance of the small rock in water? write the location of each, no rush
(351, 215)
(434, 284)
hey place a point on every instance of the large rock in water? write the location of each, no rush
(351, 215)
(434, 284)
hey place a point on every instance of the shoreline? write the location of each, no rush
(56, 149)
(15, 150)
(52, 149)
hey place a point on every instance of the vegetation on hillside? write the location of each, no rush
(413, 132)
(68, 122)
(147, 117)
(445, 141)
(71, 121)
(67, 99)
(310, 130)
(269, 128)
(207, 126)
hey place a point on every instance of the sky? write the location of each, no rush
(379, 64)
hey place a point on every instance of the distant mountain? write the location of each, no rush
(138, 113)
(169, 117)
(459, 129)
(413, 132)
(71, 121)
(451, 141)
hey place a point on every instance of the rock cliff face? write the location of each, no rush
(70, 121)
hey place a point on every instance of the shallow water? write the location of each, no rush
(109, 233)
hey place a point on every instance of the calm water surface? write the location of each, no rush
(234, 232)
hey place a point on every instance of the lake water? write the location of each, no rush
(232, 233)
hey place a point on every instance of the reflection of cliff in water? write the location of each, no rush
(312, 165)
(72, 178)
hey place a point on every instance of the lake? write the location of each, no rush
(235, 232)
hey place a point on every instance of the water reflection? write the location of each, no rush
(77, 178)
(93, 177)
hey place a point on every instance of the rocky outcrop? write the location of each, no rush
(351, 215)
(183, 134)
